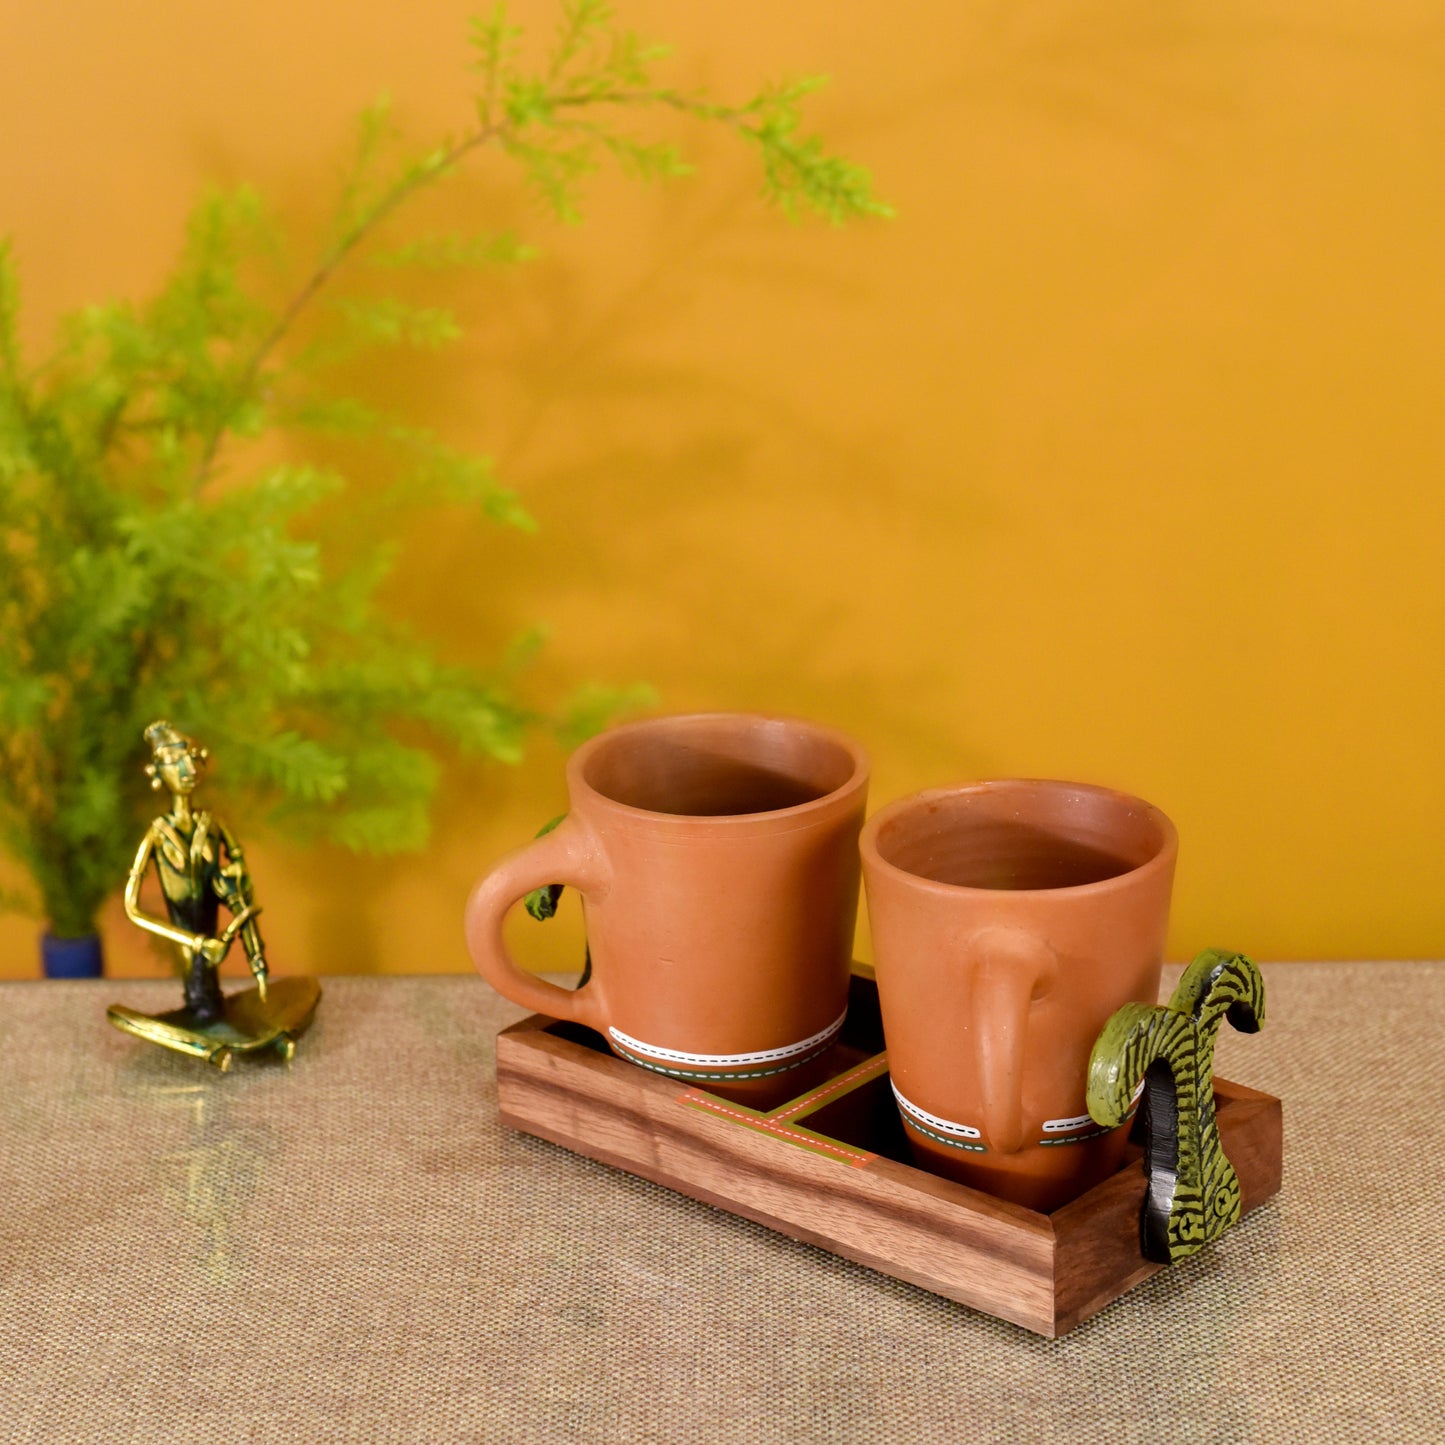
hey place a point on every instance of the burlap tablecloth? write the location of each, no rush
(353, 1250)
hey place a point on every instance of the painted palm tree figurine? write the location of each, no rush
(201, 869)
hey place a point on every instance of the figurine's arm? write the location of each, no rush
(213, 948)
(239, 897)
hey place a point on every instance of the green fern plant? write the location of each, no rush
(149, 567)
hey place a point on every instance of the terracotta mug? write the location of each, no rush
(1010, 920)
(717, 860)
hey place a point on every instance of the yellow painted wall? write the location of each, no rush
(1117, 456)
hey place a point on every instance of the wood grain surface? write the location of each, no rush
(831, 1169)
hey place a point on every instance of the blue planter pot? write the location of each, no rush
(71, 957)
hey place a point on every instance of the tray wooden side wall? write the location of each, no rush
(1044, 1272)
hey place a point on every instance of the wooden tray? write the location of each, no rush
(831, 1168)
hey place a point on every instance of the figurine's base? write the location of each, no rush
(248, 1025)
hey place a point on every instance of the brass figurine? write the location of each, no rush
(201, 867)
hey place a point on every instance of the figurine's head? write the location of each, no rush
(177, 759)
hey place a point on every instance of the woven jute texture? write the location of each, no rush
(351, 1249)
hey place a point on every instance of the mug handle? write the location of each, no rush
(1012, 968)
(569, 854)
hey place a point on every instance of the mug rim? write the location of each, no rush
(802, 813)
(1163, 857)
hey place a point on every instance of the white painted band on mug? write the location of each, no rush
(728, 1061)
(1057, 1126)
(1060, 1126)
(944, 1126)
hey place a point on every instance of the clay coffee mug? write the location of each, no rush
(1010, 920)
(717, 859)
